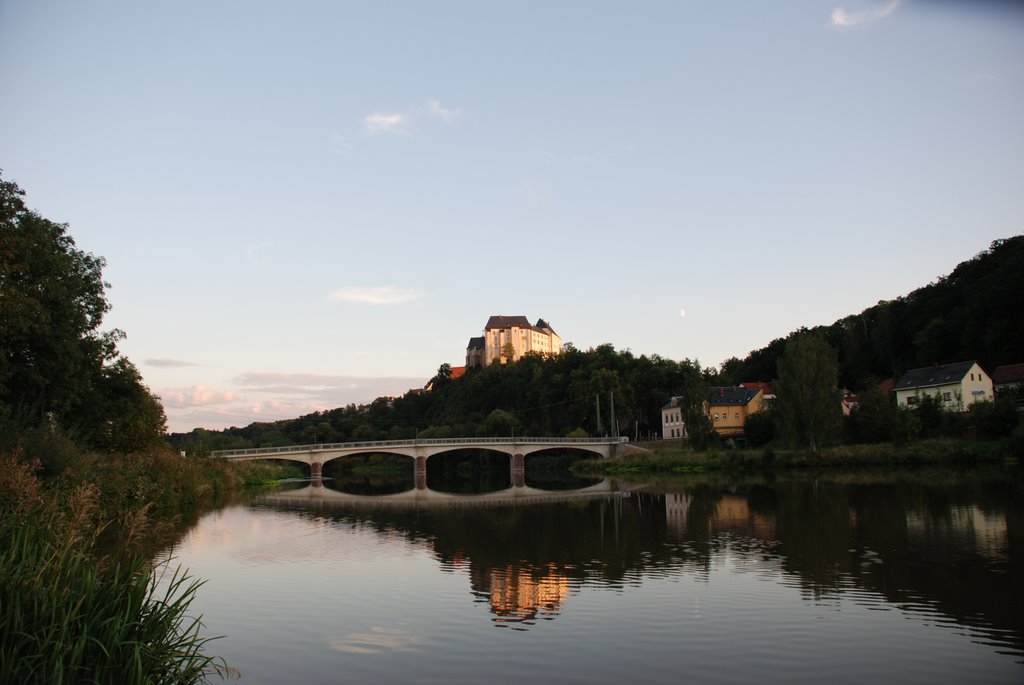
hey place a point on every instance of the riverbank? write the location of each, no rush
(673, 457)
(80, 602)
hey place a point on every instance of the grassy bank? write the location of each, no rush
(76, 608)
(673, 457)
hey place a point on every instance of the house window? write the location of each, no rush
(911, 400)
(947, 397)
(972, 376)
(737, 416)
(716, 417)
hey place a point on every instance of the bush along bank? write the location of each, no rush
(677, 459)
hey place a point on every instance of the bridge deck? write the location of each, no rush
(384, 445)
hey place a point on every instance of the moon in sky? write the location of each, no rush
(682, 312)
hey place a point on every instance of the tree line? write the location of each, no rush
(974, 313)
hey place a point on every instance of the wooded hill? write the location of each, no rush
(973, 313)
(976, 312)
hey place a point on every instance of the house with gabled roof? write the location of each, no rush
(957, 385)
(511, 333)
(672, 427)
(727, 407)
(730, 407)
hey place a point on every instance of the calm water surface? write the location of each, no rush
(849, 578)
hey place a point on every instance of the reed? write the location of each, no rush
(71, 615)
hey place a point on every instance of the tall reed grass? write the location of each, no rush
(71, 615)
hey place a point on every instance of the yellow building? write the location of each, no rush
(730, 407)
(515, 334)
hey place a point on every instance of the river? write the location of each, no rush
(848, 577)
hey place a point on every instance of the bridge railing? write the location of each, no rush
(254, 451)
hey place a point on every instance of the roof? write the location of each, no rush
(1009, 373)
(766, 388)
(543, 325)
(930, 376)
(672, 403)
(475, 343)
(738, 396)
(458, 372)
(502, 321)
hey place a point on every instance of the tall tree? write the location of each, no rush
(808, 400)
(700, 430)
(55, 363)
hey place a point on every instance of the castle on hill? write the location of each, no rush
(508, 338)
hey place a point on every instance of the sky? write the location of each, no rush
(304, 205)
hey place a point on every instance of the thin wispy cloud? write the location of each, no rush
(254, 253)
(397, 124)
(433, 108)
(166, 363)
(196, 396)
(841, 18)
(307, 383)
(404, 123)
(375, 295)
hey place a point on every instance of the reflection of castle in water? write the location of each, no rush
(519, 594)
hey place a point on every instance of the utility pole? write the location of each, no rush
(615, 426)
(597, 402)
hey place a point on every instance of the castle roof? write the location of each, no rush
(502, 321)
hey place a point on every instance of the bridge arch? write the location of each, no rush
(421, 450)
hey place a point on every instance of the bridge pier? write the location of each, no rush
(518, 467)
(420, 472)
(316, 470)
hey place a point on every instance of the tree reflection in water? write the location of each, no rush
(939, 543)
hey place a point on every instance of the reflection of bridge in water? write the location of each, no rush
(315, 456)
(316, 494)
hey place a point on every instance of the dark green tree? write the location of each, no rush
(808, 399)
(759, 428)
(700, 430)
(56, 366)
(876, 418)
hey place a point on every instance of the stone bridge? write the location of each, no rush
(315, 456)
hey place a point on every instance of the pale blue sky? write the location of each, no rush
(307, 204)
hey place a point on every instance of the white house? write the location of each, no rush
(672, 427)
(957, 385)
